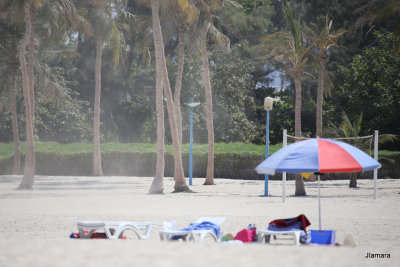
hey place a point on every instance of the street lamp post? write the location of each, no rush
(191, 106)
(268, 103)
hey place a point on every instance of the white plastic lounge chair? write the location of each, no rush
(264, 236)
(170, 231)
(114, 230)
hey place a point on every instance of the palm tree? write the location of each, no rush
(100, 23)
(348, 129)
(180, 182)
(323, 41)
(351, 132)
(206, 8)
(290, 50)
(185, 15)
(29, 166)
(209, 107)
(101, 14)
(157, 186)
(11, 14)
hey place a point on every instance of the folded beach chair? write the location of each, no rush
(295, 227)
(114, 230)
(196, 232)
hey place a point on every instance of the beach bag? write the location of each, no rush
(247, 234)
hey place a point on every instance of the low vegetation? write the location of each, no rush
(7, 149)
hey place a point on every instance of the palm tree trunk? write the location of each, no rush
(178, 83)
(297, 112)
(31, 63)
(320, 92)
(97, 170)
(157, 186)
(300, 189)
(31, 67)
(14, 124)
(209, 107)
(180, 182)
(29, 166)
(353, 180)
(179, 175)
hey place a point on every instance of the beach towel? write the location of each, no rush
(297, 223)
(202, 226)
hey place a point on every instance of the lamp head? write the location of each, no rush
(191, 103)
(268, 103)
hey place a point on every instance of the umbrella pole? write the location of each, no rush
(319, 201)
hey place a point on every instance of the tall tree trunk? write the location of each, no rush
(14, 123)
(179, 175)
(31, 68)
(157, 186)
(29, 166)
(14, 114)
(178, 83)
(97, 170)
(31, 64)
(320, 95)
(353, 180)
(300, 189)
(210, 124)
(297, 112)
(180, 182)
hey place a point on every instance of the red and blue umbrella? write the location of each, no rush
(318, 156)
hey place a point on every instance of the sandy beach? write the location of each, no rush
(36, 224)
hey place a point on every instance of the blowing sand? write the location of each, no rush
(36, 224)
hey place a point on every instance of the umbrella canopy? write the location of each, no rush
(318, 156)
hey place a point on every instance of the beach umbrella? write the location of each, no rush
(318, 156)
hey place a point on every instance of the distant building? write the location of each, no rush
(275, 80)
(278, 81)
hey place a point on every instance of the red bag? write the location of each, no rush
(246, 235)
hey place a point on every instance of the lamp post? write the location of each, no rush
(268, 103)
(191, 106)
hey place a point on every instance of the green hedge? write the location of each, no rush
(236, 166)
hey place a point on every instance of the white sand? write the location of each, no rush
(35, 225)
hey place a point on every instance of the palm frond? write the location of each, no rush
(189, 9)
(346, 126)
(387, 138)
(221, 39)
(117, 45)
(233, 3)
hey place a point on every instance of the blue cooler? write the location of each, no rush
(323, 237)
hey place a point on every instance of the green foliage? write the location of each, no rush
(372, 86)
(65, 125)
(351, 129)
(233, 97)
(60, 115)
